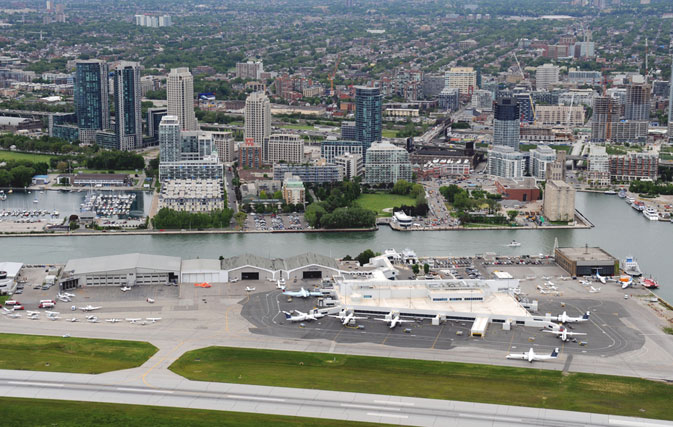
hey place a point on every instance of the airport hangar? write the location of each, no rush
(143, 269)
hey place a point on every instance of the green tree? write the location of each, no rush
(415, 268)
(512, 214)
(240, 218)
(364, 257)
(426, 268)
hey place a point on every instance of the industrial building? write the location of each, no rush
(121, 270)
(586, 261)
(559, 201)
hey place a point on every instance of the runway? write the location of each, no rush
(171, 390)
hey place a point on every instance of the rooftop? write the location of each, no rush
(586, 254)
(123, 262)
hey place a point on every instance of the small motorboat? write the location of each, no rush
(514, 244)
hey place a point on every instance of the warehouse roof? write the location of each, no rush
(310, 259)
(253, 260)
(123, 262)
(586, 254)
(190, 265)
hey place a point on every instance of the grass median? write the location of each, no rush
(437, 380)
(76, 355)
(44, 412)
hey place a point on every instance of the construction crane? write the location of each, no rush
(530, 87)
(331, 76)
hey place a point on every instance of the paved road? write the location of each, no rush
(168, 389)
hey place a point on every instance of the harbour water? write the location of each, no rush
(618, 229)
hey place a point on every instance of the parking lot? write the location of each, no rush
(275, 222)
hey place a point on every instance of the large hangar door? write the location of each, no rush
(250, 275)
(312, 274)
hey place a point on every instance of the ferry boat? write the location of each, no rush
(514, 244)
(651, 214)
(649, 283)
(631, 267)
(622, 193)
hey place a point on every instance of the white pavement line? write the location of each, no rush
(614, 422)
(490, 418)
(386, 402)
(144, 390)
(376, 414)
(263, 399)
(353, 405)
(34, 384)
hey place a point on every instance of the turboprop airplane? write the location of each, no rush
(393, 319)
(564, 334)
(346, 317)
(600, 278)
(125, 288)
(531, 356)
(302, 293)
(564, 318)
(90, 308)
(302, 317)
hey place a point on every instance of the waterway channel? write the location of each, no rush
(618, 229)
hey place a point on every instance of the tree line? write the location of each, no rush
(171, 220)
(116, 160)
(336, 208)
(19, 173)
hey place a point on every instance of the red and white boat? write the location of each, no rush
(650, 283)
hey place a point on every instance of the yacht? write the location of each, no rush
(629, 200)
(610, 192)
(651, 214)
(631, 267)
(638, 205)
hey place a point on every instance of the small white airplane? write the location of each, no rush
(279, 286)
(150, 300)
(153, 319)
(564, 318)
(34, 316)
(113, 320)
(233, 281)
(125, 288)
(586, 282)
(66, 335)
(53, 317)
(14, 315)
(346, 317)
(594, 290)
(133, 320)
(89, 308)
(302, 293)
(52, 313)
(73, 319)
(600, 278)
(33, 313)
(531, 356)
(565, 334)
(63, 298)
(393, 319)
(249, 289)
(303, 317)
(69, 295)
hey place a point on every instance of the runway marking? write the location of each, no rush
(34, 384)
(632, 423)
(437, 337)
(144, 390)
(144, 376)
(353, 405)
(386, 338)
(490, 418)
(386, 402)
(263, 399)
(378, 414)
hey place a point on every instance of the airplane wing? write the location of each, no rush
(518, 356)
(553, 332)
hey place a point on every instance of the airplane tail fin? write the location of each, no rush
(554, 353)
(287, 315)
(586, 316)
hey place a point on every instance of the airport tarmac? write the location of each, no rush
(623, 336)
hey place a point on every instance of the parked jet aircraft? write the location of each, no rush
(564, 334)
(393, 319)
(531, 356)
(53, 317)
(346, 317)
(564, 318)
(33, 313)
(89, 308)
(302, 293)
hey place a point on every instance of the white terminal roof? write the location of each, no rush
(11, 268)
